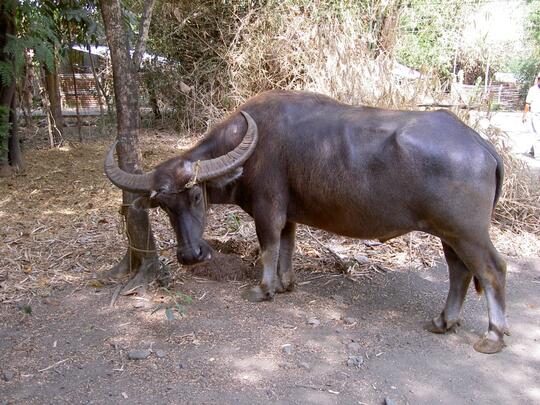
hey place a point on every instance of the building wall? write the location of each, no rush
(88, 95)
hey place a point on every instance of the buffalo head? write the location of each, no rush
(178, 186)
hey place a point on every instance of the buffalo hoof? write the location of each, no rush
(257, 294)
(288, 281)
(283, 287)
(439, 325)
(489, 344)
(280, 289)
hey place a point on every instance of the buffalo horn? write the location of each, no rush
(221, 165)
(135, 183)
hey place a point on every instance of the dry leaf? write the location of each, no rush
(178, 14)
(184, 88)
(95, 284)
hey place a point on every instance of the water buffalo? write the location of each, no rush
(294, 157)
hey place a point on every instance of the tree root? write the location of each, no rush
(150, 270)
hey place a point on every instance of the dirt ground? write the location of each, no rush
(343, 337)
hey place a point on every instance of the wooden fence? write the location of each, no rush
(501, 96)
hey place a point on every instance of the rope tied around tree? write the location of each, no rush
(123, 228)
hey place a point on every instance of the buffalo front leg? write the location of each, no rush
(286, 276)
(269, 223)
(460, 278)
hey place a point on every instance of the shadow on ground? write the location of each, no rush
(74, 347)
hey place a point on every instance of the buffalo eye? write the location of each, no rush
(197, 196)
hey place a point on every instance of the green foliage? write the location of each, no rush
(6, 72)
(43, 51)
(26, 309)
(177, 302)
(461, 34)
(533, 21)
(525, 70)
(430, 33)
(34, 31)
(44, 27)
(233, 222)
(525, 67)
(78, 20)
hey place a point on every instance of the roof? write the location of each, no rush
(505, 77)
(103, 52)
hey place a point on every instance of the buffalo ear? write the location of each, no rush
(222, 181)
(143, 203)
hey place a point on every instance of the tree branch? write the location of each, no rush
(144, 30)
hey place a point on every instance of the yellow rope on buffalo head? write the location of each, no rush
(193, 181)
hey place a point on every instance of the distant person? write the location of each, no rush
(532, 104)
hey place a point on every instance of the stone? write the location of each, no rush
(313, 322)
(304, 365)
(349, 320)
(138, 354)
(353, 347)
(160, 353)
(286, 348)
(361, 259)
(355, 361)
(388, 401)
(8, 375)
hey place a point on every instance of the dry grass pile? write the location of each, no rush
(194, 87)
(57, 222)
(228, 54)
(519, 204)
(310, 47)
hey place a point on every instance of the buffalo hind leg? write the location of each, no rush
(460, 278)
(269, 224)
(489, 268)
(286, 277)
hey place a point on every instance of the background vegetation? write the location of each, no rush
(211, 55)
(220, 52)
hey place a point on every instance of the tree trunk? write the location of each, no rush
(141, 256)
(385, 32)
(52, 85)
(26, 90)
(76, 93)
(55, 135)
(152, 96)
(8, 117)
(15, 155)
(99, 84)
(74, 79)
(6, 96)
(144, 31)
(101, 97)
